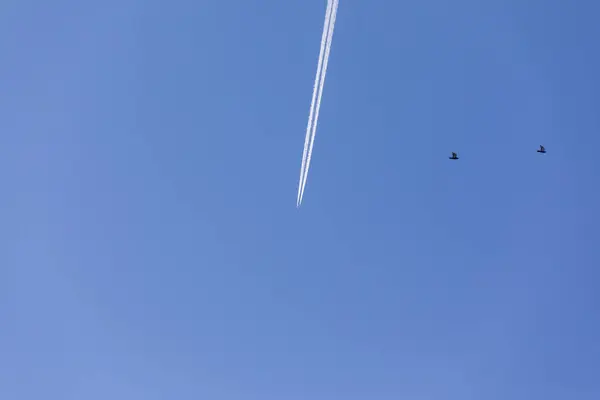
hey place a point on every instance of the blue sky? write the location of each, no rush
(150, 243)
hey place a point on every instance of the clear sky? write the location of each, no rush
(150, 244)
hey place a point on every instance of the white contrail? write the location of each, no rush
(304, 172)
(321, 85)
(314, 96)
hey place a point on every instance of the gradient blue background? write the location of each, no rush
(150, 247)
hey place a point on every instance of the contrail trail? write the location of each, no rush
(306, 161)
(314, 96)
(321, 85)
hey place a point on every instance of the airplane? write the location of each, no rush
(454, 157)
(542, 149)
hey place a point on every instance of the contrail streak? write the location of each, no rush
(304, 172)
(314, 96)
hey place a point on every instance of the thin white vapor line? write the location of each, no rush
(314, 96)
(320, 95)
